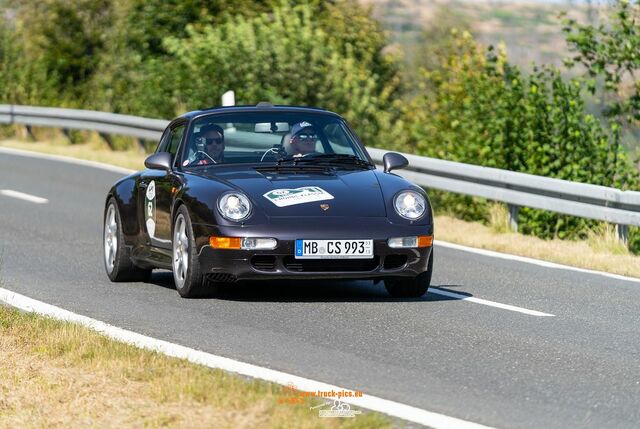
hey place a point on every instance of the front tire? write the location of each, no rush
(117, 261)
(187, 275)
(412, 287)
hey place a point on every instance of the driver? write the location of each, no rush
(303, 139)
(212, 137)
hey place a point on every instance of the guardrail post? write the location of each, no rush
(107, 139)
(513, 216)
(30, 132)
(141, 144)
(67, 134)
(623, 233)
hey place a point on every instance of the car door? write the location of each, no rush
(157, 189)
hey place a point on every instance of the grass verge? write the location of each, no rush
(60, 375)
(92, 151)
(601, 251)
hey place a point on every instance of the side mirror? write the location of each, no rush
(394, 161)
(159, 161)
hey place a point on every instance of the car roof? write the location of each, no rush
(260, 107)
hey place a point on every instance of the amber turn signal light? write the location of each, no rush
(425, 240)
(225, 242)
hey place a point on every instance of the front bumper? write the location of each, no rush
(280, 263)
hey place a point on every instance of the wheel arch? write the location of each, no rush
(126, 199)
(174, 210)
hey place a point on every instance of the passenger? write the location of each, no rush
(303, 139)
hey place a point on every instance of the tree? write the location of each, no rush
(477, 108)
(290, 56)
(144, 24)
(24, 78)
(611, 51)
(67, 39)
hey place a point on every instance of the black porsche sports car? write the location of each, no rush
(268, 192)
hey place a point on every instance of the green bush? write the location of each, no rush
(24, 78)
(287, 57)
(634, 240)
(611, 51)
(476, 108)
(65, 40)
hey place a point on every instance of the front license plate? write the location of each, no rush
(334, 249)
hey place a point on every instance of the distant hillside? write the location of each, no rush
(531, 30)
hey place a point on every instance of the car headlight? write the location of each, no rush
(410, 205)
(234, 206)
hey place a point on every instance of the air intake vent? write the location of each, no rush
(392, 262)
(264, 262)
(330, 265)
(221, 278)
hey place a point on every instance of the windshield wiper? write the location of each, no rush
(327, 158)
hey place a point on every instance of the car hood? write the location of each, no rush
(346, 193)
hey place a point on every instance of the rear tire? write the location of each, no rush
(187, 275)
(117, 261)
(411, 287)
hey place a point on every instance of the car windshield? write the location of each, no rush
(270, 137)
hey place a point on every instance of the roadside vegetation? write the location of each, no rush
(456, 99)
(92, 150)
(61, 375)
(600, 251)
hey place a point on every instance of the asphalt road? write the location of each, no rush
(489, 365)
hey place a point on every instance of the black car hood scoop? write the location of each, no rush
(311, 191)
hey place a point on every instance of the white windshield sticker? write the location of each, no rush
(290, 197)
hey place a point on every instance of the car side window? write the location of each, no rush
(175, 139)
(164, 141)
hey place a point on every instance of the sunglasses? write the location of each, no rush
(212, 140)
(313, 137)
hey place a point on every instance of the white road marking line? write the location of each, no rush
(23, 196)
(395, 409)
(540, 262)
(67, 159)
(462, 297)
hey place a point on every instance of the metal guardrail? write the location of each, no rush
(516, 189)
(75, 119)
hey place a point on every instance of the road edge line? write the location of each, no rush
(385, 406)
(534, 261)
(67, 159)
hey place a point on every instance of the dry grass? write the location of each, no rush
(93, 150)
(61, 375)
(499, 218)
(605, 240)
(601, 251)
